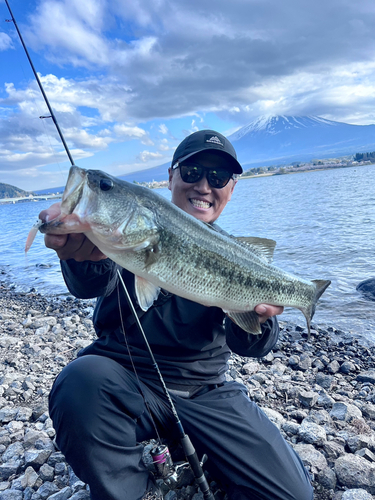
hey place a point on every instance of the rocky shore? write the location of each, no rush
(319, 392)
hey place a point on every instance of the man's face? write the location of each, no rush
(200, 199)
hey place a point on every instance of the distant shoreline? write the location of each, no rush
(164, 184)
(303, 170)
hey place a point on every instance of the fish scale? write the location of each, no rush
(167, 248)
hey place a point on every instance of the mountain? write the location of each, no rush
(8, 191)
(281, 140)
(284, 139)
(159, 173)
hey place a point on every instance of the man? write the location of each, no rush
(102, 410)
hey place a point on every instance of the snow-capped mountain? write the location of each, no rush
(278, 140)
(283, 139)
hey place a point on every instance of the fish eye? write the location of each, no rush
(106, 184)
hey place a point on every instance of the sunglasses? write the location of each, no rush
(193, 172)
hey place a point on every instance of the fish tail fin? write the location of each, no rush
(320, 288)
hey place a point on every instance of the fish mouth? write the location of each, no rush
(200, 203)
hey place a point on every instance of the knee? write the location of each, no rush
(90, 386)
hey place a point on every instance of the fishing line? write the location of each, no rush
(187, 446)
(133, 365)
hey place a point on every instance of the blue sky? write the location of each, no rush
(129, 79)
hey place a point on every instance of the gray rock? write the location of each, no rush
(11, 495)
(355, 472)
(308, 398)
(274, 416)
(30, 478)
(251, 367)
(325, 400)
(46, 472)
(368, 376)
(14, 452)
(290, 427)
(356, 494)
(60, 469)
(8, 414)
(8, 469)
(312, 433)
(47, 489)
(333, 450)
(347, 367)
(368, 410)
(327, 478)
(293, 361)
(366, 453)
(324, 380)
(334, 366)
(81, 495)
(63, 494)
(311, 457)
(345, 411)
(317, 363)
(304, 363)
(35, 457)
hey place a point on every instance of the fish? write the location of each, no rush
(166, 248)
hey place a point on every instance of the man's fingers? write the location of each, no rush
(266, 311)
(51, 212)
(55, 241)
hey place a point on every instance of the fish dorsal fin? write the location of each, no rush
(264, 247)
(145, 292)
(248, 321)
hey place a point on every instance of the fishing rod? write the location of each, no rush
(187, 446)
(40, 86)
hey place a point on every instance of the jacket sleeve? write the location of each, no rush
(255, 346)
(87, 280)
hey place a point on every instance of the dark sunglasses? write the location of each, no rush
(193, 172)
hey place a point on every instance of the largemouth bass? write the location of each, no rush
(167, 248)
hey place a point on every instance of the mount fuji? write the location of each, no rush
(284, 139)
(279, 140)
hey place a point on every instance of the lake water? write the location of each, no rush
(323, 222)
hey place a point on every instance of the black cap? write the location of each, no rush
(204, 140)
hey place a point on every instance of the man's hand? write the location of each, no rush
(266, 311)
(69, 246)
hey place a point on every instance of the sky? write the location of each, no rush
(129, 79)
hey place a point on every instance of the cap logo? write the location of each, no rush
(213, 139)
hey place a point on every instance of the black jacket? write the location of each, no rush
(190, 342)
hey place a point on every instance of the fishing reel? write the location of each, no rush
(162, 460)
(172, 474)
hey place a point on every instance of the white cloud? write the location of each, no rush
(5, 41)
(70, 26)
(164, 146)
(163, 129)
(132, 132)
(145, 156)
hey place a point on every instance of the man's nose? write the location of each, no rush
(202, 185)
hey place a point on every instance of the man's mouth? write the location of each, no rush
(200, 204)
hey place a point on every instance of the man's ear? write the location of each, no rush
(170, 177)
(233, 186)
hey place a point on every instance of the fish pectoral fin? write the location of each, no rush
(264, 247)
(248, 321)
(145, 292)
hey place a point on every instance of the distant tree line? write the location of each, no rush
(364, 156)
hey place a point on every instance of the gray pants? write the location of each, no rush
(100, 418)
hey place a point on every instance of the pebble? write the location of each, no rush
(320, 394)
